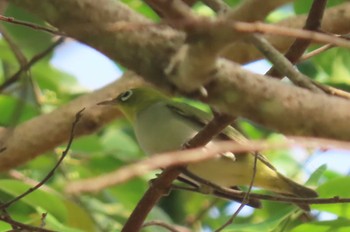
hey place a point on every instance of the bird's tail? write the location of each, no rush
(298, 190)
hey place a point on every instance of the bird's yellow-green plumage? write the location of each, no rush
(162, 124)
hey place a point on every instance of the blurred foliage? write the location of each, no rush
(303, 6)
(114, 146)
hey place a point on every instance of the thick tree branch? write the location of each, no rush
(45, 132)
(115, 30)
(106, 26)
(195, 61)
(236, 91)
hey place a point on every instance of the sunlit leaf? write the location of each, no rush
(11, 108)
(335, 188)
(316, 175)
(339, 225)
(267, 225)
(48, 201)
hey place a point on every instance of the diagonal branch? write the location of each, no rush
(313, 23)
(282, 64)
(163, 183)
(28, 24)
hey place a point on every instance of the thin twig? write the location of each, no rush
(316, 37)
(30, 63)
(179, 158)
(315, 52)
(321, 49)
(14, 174)
(22, 60)
(276, 198)
(18, 226)
(30, 25)
(245, 198)
(282, 64)
(331, 90)
(50, 174)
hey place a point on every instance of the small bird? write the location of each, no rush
(162, 124)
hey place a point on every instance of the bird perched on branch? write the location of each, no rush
(162, 124)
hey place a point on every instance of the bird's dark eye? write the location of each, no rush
(125, 96)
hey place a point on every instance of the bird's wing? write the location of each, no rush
(201, 118)
(195, 115)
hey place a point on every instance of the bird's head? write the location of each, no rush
(135, 100)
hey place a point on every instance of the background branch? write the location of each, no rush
(333, 22)
(313, 23)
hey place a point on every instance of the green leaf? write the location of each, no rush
(129, 192)
(11, 107)
(253, 131)
(90, 143)
(338, 187)
(233, 2)
(203, 10)
(29, 40)
(78, 217)
(333, 66)
(142, 8)
(48, 201)
(6, 54)
(339, 225)
(316, 175)
(118, 142)
(62, 214)
(52, 79)
(303, 6)
(54, 224)
(5, 227)
(267, 225)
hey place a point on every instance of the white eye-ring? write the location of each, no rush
(126, 95)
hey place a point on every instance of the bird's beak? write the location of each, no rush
(108, 102)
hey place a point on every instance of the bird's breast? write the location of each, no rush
(158, 129)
